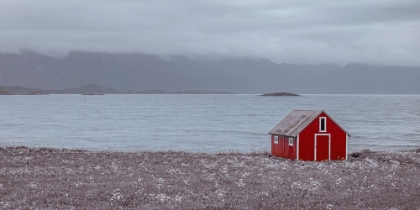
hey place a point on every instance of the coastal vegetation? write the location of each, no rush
(46, 178)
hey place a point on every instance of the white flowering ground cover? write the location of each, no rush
(43, 178)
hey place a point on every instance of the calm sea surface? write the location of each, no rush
(203, 123)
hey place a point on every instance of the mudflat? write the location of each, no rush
(45, 178)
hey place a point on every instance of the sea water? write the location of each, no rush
(199, 123)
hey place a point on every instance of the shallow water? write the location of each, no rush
(199, 122)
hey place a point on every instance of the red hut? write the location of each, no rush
(309, 135)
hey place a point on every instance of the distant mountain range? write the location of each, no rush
(126, 72)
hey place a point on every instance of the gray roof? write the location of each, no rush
(296, 121)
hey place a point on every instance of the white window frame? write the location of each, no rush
(325, 124)
(290, 141)
(276, 139)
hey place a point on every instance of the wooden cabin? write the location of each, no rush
(309, 135)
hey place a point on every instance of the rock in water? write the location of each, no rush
(280, 94)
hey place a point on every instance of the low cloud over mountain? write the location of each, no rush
(125, 71)
(301, 32)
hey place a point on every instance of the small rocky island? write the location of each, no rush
(280, 94)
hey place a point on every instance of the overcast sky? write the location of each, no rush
(385, 32)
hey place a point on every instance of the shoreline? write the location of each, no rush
(64, 178)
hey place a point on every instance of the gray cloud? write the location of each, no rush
(304, 32)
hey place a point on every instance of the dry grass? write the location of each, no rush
(43, 178)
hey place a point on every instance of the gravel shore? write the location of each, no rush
(45, 178)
